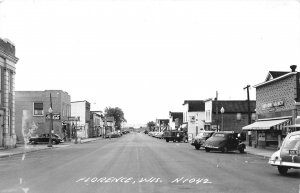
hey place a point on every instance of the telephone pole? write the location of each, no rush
(249, 113)
(248, 100)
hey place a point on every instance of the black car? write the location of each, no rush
(224, 142)
(175, 135)
(44, 138)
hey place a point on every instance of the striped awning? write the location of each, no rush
(268, 124)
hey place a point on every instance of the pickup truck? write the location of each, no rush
(175, 135)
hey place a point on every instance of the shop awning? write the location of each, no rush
(266, 125)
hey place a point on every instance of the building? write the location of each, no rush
(109, 124)
(82, 110)
(32, 113)
(228, 115)
(97, 123)
(175, 120)
(277, 108)
(162, 124)
(8, 60)
(193, 117)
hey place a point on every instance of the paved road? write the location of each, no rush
(137, 163)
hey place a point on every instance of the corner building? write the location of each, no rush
(277, 107)
(7, 94)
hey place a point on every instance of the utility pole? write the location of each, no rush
(217, 118)
(249, 113)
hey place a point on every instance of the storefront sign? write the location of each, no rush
(273, 104)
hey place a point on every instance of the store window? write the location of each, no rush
(38, 109)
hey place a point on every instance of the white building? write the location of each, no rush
(193, 116)
(81, 109)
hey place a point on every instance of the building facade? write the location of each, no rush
(162, 124)
(175, 120)
(32, 113)
(7, 94)
(193, 117)
(228, 115)
(277, 107)
(97, 124)
(82, 110)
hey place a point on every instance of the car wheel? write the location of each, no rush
(174, 140)
(282, 170)
(197, 147)
(167, 140)
(242, 150)
(207, 149)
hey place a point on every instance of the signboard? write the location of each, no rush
(73, 118)
(55, 116)
(273, 104)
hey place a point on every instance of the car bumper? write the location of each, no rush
(286, 164)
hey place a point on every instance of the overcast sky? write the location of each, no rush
(148, 56)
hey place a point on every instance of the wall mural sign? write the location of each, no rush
(273, 105)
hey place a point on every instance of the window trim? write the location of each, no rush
(37, 115)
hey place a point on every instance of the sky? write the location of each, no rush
(148, 56)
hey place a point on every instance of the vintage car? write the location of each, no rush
(44, 138)
(224, 142)
(288, 156)
(200, 139)
(175, 135)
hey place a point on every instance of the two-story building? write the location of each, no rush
(175, 120)
(277, 107)
(228, 115)
(82, 110)
(33, 117)
(8, 60)
(193, 117)
(96, 124)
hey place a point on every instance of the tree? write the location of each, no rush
(118, 115)
(151, 125)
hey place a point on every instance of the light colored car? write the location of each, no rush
(159, 135)
(288, 156)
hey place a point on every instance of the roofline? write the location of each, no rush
(275, 79)
(187, 101)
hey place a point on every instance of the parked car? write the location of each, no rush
(288, 156)
(200, 139)
(44, 138)
(175, 135)
(224, 142)
(159, 135)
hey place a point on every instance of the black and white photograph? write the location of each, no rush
(149, 96)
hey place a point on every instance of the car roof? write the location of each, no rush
(294, 133)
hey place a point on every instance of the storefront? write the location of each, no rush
(277, 102)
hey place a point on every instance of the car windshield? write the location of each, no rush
(293, 142)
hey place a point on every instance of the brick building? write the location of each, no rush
(7, 94)
(277, 107)
(31, 113)
(233, 118)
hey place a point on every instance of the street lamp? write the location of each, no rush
(222, 112)
(51, 127)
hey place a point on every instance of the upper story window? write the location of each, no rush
(38, 108)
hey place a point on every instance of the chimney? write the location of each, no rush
(293, 67)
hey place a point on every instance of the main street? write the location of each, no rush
(139, 163)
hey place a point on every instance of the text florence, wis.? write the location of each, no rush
(131, 180)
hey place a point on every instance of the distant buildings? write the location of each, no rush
(82, 110)
(7, 96)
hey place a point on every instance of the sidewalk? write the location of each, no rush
(21, 148)
(267, 153)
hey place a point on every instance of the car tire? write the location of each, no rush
(167, 140)
(282, 170)
(207, 149)
(197, 147)
(242, 150)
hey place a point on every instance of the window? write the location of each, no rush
(38, 109)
